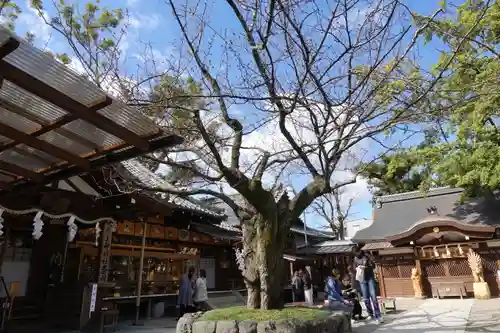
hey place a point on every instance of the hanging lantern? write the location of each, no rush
(37, 226)
(72, 228)
(97, 233)
(1, 222)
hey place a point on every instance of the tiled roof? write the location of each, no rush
(218, 231)
(394, 214)
(419, 194)
(328, 247)
(376, 246)
(311, 232)
(149, 179)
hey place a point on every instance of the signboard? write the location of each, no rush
(93, 298)
(106, 239)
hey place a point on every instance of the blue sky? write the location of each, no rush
(151, 21)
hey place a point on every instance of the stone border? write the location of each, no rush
(337, 322)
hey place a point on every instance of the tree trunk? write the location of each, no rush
(270, 247)
(251, 271)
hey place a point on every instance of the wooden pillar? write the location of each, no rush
(105, 252)
(381, 281)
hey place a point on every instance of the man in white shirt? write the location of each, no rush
(200, 292)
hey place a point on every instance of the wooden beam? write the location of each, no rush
(42, 122)
(111, 158)
(8, 47)
(28, 154)
(52, 95)
(44, 146)
(17, 170)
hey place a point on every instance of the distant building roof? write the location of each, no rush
(398, 213)
(328, 247)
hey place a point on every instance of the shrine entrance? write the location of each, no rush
(440, 247)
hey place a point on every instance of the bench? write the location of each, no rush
(108, 320)
(385, 303)
(448, 289)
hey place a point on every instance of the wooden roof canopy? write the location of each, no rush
(54, 123)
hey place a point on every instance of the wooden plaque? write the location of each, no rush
(184, 235)
(157, 231)
(171, 233)
(138, 229)
(126, 228)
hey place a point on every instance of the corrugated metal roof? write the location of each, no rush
(152, 180)
(53, 73)
(22, 111)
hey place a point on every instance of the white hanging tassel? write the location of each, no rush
(97, 233)
(37, 225)
(436, 252)
(460, 250)
(1, 222)
(72, 228)
(448, 252)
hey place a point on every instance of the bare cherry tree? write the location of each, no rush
(328, 76)
(320, 78)
(334, 208)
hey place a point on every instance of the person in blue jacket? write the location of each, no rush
(334, 294)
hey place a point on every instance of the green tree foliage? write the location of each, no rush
(459, 111)
(465, 108)
(91, 31)
(173, 101)
(393, 174)
(9, 12)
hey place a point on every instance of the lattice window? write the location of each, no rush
(490, 264)
(390, 270)
(405, 270)
(434, 269)
(459, 267)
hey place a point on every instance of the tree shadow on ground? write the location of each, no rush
(425, 323)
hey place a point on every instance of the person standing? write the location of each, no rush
(201, 294)
(186, 291)
(363, 268)
(297, 288)
(308, 287)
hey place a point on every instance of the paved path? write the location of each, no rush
(440, 316)
(412, 316)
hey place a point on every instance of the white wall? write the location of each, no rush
(15, 271)
(16, 267)
(351, 227)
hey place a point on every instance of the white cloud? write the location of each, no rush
(31, 22)
(143, 21)
(132, 3)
